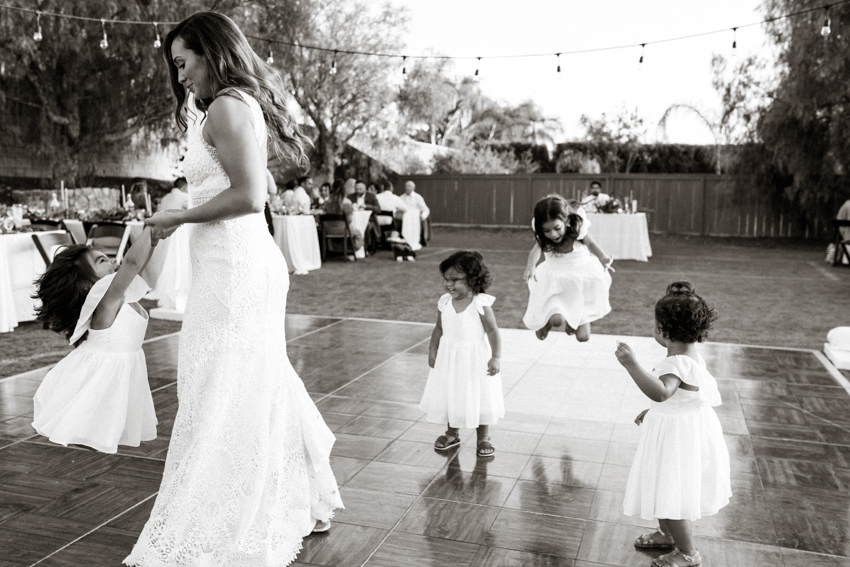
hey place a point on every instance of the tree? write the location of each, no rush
(340, 103)
(70, 99)
(612, 139)
(430, 102)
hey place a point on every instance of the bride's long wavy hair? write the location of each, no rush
(232, 63)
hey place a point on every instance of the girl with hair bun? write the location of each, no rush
(681, 469)
(567, 272)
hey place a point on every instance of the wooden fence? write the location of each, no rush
(677, 204)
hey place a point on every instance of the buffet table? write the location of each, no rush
(298, 239)
(20, 265)
(626, 236)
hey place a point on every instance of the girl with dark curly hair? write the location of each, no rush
(681, 469)
(464, 388)
(98, 395)
(567, 272)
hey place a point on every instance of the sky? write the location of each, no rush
(592, 83)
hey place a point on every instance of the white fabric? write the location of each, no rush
(459, 391)
(300, 202)
(247, 471)
(99, 395)
(175, 199)
(360, 221)
(625, 236)
(8, 317)
(411, 229)
(574, 285)
(173, 283)
(415, 201)
(839, 338)
(681, 468)
(297, 238)
(844, 214)
(391, 202)
(20, 265)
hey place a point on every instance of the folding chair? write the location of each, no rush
(47, 244)
(335, 227)
(425, 232)
(76, 229)
(111, 238)
(44, 225)
(386, 229)
(842, 247)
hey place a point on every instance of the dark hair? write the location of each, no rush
(63, 287)
(592, 183)
(180, 182)
(471, 264)
(682, 315)
(326, 184)
(303, 179)
(555, 207)
(233, 64)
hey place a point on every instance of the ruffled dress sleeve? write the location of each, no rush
(444, 302)
(693, 373)
(137, 290)
(483, 300)
(585, 222)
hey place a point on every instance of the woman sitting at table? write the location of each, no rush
(339, 204)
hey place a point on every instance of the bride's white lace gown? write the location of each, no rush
(247, 471)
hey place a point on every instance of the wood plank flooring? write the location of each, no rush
(552, 496)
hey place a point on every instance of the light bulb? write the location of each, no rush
(270, 58)
(104, 43)
(157, 43)
(333, 65)
(404, 68)
(825, 30)
(476, 77)
(558, 75)
(734, 42)
(37, 35)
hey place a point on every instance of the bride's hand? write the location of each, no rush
(164, 223)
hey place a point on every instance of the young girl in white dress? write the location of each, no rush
(98, 395)
(464, 388)
(567, 273)
(681, 470)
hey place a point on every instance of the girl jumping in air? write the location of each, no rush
(567, 273)
(681, 470)
(464, 388)
(98, 395)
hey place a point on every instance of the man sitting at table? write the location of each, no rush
(178, 198)
(363, 200)
(300, 200)
(390, 203)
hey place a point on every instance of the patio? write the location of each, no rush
(551, 496)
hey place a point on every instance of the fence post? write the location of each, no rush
(702, 231)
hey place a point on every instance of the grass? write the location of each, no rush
(766, 292)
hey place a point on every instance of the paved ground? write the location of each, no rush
(551, 496)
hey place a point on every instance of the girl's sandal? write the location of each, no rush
(678, 559)
(446, 442)
(654, 540)
(485, 449)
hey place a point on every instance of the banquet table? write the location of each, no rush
(360, 221)
(626, 236)
(20, 265)
(298, 239)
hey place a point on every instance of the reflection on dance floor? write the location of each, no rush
(551, 496)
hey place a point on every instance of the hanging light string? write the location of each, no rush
(825, 30)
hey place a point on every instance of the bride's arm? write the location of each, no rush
(228, 127)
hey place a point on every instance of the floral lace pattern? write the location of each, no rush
(247, 472)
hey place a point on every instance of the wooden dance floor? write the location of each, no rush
(551, 496)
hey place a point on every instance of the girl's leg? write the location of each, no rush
(449, 439)
(583, 333)
(485, 449)
(554, 321)
(682, 535)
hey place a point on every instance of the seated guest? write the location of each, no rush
(363, 200)
(289, 196)
(324, 194)
(300, 198)
(389, 202)
(177, 198)
(372, 188)
(338, 204)
(417, 211)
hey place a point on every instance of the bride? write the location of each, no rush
(247, 474)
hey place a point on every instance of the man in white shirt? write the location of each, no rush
(390, 202)
(178, 198)
(414, 200)
(300, 201)
(417, 211)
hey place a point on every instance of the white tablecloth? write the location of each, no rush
(411, 228)
(20, 265)
(625, 236)
(298, 239)
(360, 221)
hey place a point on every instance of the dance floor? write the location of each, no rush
(551, 496)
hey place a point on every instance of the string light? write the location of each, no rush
(333, 64)
(476, 77)
(640, 62)
(404, 67)
(37, 35)
(825, 30)
(558, 55)
(104, 43)
(156, 43)
(734, 41)
(270, 58)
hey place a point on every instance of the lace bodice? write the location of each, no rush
(202, 167)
